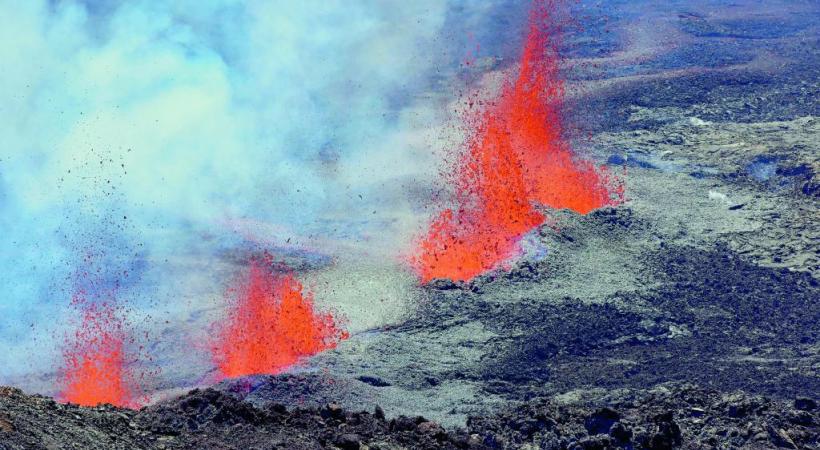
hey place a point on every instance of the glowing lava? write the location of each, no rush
(531, 106)
(493, 213)
(271, 325)
(95, 370)
(515, 157)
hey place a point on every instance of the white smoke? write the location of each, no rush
(150, 133)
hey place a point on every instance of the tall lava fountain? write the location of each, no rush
(514, 157)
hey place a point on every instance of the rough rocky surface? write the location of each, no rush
(687, 317)
(668, 416)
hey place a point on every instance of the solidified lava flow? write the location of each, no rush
(515, 157)
(271, 325)
(95, 369)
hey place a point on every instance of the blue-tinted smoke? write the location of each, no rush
(134, 135)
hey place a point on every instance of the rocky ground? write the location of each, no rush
(668, 416)
(685, 318)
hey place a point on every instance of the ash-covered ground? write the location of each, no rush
(687, 317)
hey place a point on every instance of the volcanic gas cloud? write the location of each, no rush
(95, 369)
(271, 325)
(514, 157)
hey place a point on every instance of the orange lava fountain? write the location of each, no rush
(515, 157)
(95, 370)
(531, 105)
(271, 326)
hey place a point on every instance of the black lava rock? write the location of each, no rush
(601, 421)
(348, 441)
(805, 404)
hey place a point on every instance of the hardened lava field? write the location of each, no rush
(616, 246)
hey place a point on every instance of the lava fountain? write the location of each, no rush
(514, 157)
(95, 369)
(271, 325)
(531, 104)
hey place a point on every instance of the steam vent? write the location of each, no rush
(391, 225)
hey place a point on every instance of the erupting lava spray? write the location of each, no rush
(95, 370)
(514, 157)
(271, 325)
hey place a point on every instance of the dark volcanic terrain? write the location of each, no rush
(687, 317)
(669, 416)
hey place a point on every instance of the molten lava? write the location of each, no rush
(531, 106)
(271, 325)
(95, 370)
(493, 213)
(514, 158)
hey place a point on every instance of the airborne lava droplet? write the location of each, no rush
(514, 158)
(95, 369)
(271, 325)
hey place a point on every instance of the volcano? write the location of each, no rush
(228, 193)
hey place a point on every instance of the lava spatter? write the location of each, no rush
(493, 211)
(271, 325)
(95, 367)
(531, 103)
(514, 158)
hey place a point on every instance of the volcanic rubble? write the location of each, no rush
(667, 416)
